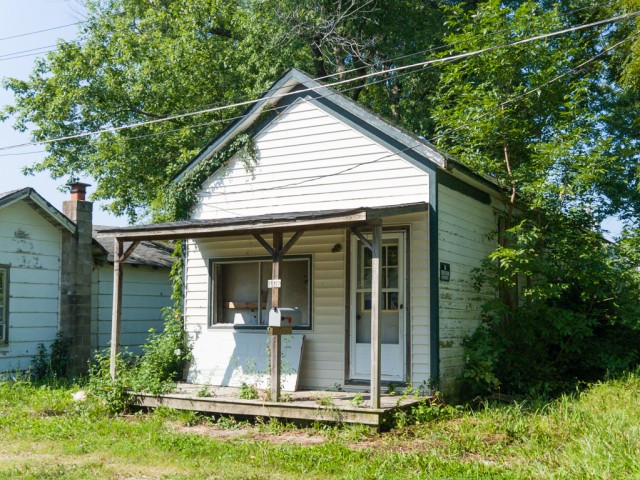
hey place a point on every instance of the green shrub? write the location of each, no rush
(53, 363)
(155, 371)
(113, 392)
(164, 357)
(576, 319)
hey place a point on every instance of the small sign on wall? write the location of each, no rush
(274, 283)
(445, 271)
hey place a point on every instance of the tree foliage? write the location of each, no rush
(138, 61)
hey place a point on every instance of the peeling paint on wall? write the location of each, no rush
(19, 233)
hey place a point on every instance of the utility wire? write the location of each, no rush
(529, 91)
(343, 72)
(26, 55)
(332, 84)
(29, 50)
(575, 69)
(40, 31)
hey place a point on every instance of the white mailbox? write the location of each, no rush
(285, 317)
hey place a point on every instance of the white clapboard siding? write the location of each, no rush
(145, 292)
(310, 161)
(418, 266)
(328, 300)
(323, 360)
(464, 228)
(31, 247)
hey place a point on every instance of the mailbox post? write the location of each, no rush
(277, 251)
(276, 332)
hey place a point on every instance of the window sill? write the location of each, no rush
(252, 328)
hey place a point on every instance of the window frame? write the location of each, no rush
(4, 325)
(211, 291)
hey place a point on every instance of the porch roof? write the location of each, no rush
(259, 223)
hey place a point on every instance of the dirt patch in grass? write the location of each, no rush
(250, 433)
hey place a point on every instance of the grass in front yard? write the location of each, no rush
(593, 434)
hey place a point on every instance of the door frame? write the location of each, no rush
(349, 238)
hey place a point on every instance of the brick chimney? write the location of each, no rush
(77, 265)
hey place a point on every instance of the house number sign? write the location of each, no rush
(274, 283)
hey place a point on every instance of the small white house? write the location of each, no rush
(47, 286)
(347, 205)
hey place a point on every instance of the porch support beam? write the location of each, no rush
(275, 340)
(290, 243)
(264, 243)
(362, 238)
(116, 315)
(376, 268)
(127, 253)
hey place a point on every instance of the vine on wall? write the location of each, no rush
(182, 197)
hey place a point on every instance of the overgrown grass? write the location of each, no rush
(592, 434)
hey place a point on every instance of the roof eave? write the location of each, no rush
(40, 205)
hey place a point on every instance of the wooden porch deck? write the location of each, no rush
(316, 405)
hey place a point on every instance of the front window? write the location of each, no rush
(241, 297)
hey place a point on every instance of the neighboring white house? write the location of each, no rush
(327, 173)
(147, 290)
(38, 264)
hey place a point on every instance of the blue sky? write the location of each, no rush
(16, 18)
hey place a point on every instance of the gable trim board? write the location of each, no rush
(40, 205)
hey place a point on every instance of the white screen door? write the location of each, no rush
(392, 319)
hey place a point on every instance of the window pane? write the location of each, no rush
(239, 293)
(242, 295)
(295, 286)
(392, 277)
(3, 303)
(392, 256)
(392, 303)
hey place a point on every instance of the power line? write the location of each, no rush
(26, 55)
(3, 59)
(29, 50)
(43, 30)
(332, 84)
(575, 69)
(341, 73)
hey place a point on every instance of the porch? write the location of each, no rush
(218, 245)
(306, 405)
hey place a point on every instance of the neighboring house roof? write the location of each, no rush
(415, 149)
(40, 205)
(154, 254)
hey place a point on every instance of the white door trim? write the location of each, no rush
(394, 359)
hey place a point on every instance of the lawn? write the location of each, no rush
(45, 434)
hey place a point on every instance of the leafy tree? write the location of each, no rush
(544, 120)
(137, 61)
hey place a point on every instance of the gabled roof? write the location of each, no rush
(154, 254)
(296, 83)
(40, 205)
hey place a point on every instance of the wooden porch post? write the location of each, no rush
(376, 264)
(116, 313)
(276, 344)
